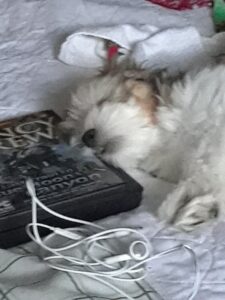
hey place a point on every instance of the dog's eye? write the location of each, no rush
(88, 138)
(101, 102)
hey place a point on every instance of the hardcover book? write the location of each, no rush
(70, 180)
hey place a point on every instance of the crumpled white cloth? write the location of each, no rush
(172, 276)
(197, 266)
(32, 78)
(174, 49)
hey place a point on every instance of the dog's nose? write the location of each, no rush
(88, 138)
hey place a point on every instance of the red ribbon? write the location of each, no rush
(112, 51)
(182, 4)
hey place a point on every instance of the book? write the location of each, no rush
(68, 179)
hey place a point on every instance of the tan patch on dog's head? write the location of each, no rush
(144, 96)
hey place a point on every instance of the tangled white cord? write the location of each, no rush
(94, 253)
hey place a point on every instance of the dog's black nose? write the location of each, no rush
(88, 138)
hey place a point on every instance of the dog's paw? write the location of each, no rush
(187, 213)
(198, 211)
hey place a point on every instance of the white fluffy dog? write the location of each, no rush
(176, 131)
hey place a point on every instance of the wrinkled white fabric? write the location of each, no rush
(171, 276)
(33, 79)
(32, 31)
(174, 49)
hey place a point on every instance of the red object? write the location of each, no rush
(182, 4)
(112, 51)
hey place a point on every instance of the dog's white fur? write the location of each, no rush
(182, 140)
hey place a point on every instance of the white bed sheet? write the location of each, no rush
(33, 79)
(31, 32)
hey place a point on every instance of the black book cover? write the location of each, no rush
(68, 179)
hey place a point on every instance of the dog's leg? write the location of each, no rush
(198, 211)
(186, 208)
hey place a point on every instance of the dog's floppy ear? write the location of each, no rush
(145, 96)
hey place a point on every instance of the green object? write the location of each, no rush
(219, 13)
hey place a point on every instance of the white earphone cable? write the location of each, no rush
(100, 259)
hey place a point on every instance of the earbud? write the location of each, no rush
(117, 259)
(68, 234)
